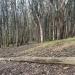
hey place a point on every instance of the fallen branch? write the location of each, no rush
(45, 60)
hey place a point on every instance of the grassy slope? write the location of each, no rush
(45, 49)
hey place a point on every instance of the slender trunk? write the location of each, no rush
(41, 33)
(53, 30)
(41, 30)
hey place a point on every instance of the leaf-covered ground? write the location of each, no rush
(58, 48)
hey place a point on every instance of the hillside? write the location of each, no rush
(59, 48)
(65, 47)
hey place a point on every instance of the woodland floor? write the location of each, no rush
(58, 48)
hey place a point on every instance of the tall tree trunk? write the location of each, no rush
(41, 33)
(53, 29)
(41, 30)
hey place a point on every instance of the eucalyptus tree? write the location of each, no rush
(22, 21)
(37, 12)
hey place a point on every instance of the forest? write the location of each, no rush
(24, 21)
(37, 37)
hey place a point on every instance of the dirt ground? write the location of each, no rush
(57, 49)
(10, 68)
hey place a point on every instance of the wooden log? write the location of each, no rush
(42, 60)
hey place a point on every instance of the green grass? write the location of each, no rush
(56, 42)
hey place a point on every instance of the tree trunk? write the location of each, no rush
(41, 33)
(53, 29)
(41, 30)
(42, 60)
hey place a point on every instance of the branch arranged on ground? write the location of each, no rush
(42, 60)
